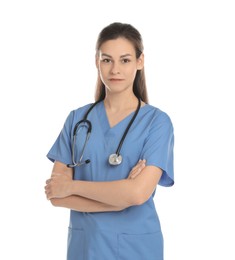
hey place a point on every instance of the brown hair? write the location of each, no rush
(127, 31)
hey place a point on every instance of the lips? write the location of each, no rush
(115, 80)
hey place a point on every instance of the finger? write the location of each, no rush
(134, 174)
(48, 181)
(137, 171)
(47, 192)
(137, 166)
(57, 174)
(48, 196)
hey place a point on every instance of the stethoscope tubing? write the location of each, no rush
(89, 128)
(127, 129)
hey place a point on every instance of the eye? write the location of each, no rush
(106, 60)
(125, 60)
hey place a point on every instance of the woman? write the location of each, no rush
(129, 150)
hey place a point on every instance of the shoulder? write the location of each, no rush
(157, 115)
(82, 108)
(77, 114)
(80, 111)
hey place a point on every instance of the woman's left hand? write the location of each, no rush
(136, 170)
(58, 186)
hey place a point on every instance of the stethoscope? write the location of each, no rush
(115, 158)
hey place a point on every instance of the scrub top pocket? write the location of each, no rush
(140, 246)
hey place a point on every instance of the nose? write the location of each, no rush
(115, 69)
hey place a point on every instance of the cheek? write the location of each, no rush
(131, 73)
(103, 69)
(103, 74)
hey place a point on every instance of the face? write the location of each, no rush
(117, 65)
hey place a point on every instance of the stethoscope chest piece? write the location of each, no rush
(115, 159)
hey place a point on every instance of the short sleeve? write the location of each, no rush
(159, 145)
(61, 149)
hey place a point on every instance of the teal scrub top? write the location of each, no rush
(135, 232)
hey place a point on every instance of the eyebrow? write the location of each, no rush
(122, 56)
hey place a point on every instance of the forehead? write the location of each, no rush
(117, 46)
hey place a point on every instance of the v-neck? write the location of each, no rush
(105, 119)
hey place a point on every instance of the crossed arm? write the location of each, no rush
(89, 196)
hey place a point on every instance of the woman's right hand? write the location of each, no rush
(136, 170)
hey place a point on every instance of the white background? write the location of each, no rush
(47, 68)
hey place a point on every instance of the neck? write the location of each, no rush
(120, 102)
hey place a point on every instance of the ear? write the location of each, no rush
(140, 62)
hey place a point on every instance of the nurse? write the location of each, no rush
(112, 212)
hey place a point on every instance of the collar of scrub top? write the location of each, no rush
(114, 159)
